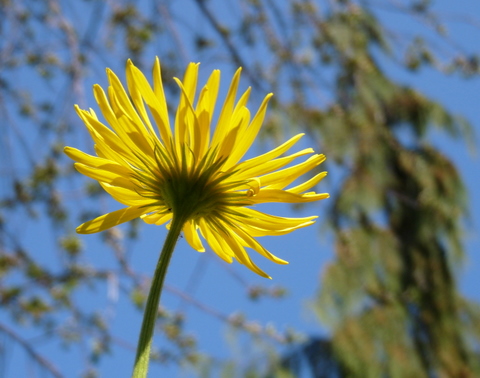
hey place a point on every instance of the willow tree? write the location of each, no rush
(390, 296)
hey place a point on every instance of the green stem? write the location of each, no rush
(151, 310)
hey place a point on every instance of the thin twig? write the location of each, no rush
(25, 344)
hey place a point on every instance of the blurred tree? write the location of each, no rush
(389, 297)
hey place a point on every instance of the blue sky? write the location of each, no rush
(221, 288)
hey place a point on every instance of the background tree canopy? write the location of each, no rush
(351, 75)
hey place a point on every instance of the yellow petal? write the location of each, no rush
(226, 112)
(191, 234)
(215, 242)
(108, 142)
(229, 143)
(110, 220)
(187, 129)
(247, 240)
(158, 218)
(82, 157)
(105, 107)
(251, 132)
(123, 101)
(183, 118)
(208, 95)
(270, 166)
(155, 102)
(109, 176)
(271, 222)
(135, 94)
(125, 196)
(204, 111)
(277, 195)
(280, 179)
(308, 184)
(226, 242)
(136, 140)
(158, 87)
(261, 159)
(127, 118)
(259, 232)
(241, 255)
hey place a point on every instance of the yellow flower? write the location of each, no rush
(189, 173)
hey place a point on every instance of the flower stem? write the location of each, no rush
(151, 310)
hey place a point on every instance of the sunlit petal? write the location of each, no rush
(110, 220)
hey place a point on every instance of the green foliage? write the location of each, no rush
(390, 295)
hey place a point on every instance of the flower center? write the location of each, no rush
(189, 195)
(188, 187)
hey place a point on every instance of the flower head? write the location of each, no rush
(194, 172)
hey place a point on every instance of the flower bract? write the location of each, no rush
(192, 170)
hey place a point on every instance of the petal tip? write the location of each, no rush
(81, 229)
